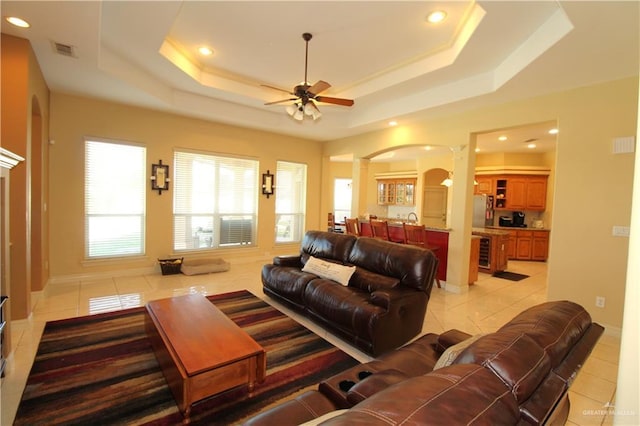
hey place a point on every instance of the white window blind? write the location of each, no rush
(214, 201)
(291, 201)
(114, 199)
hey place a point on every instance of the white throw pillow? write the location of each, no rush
(329, 270)
(452, 352)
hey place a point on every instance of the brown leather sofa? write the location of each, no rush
(384, 304)
(518, 375)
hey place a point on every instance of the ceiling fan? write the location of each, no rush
(306, 95)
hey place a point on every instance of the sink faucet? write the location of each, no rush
(414, 215)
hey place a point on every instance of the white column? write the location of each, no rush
(359, 181)
(461, 212)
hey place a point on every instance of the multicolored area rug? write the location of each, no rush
(101, 369)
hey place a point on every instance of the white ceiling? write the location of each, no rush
(382, 54)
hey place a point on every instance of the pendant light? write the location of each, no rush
(448, 181)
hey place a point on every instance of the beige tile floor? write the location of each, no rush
(489, 303)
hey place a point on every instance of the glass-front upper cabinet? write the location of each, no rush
(409, 198)
(396, 192)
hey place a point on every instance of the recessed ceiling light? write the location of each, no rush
(553, 131)
(531, 145)
(204, 50)
(477, 149)
(502, 138)
(14, 20)
(393, 123)
(427, 148)
(436, 16)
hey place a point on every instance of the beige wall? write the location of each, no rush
(76, 118)
(25, 118)
(591, 186)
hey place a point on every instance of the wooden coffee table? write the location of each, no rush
(200, 350)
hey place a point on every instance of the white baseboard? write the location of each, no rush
(148, 270)
(90, 276)
(612, 331)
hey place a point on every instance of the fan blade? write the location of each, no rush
(277, 88)
(281, 101)
(337, 101)
(320, 86)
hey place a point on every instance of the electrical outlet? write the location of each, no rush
(620, 231)
(600, 302)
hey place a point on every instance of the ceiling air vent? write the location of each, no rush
(64, 49)
(531, 140)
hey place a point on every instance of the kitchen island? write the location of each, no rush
(527, 243)
(494, 244)
(437, 240)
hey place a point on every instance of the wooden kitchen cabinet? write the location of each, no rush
(536, 193)
(515, 192)
(524, 240)
(501, 244)
(386, 192)
(540, 245)
(528, 245)
(396, 192)
(511, 249)
(501, 192)
(484, 186)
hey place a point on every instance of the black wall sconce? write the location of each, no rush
(160, 177)
(267, 184)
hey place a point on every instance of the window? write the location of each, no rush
(291, 200)
(341, 199)
(114, 199)
(214, 201)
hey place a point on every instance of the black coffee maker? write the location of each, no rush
(518, 220)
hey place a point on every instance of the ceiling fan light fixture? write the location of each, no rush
(291, 109)
(309, 109)
(305, 95)
(299, 114)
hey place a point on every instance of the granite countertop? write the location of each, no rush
(488, 231)
(513, 228)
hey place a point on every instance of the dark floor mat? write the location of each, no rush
(511, 276)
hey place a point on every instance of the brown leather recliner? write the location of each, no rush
(384, 304)
(519, 375)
